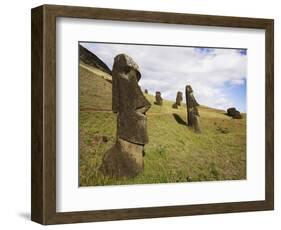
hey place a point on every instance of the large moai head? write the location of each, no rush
(128, 100)
(123, 66)
(192, 110)
(158, 98)
(125, 158)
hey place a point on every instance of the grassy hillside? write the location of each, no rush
(174, 153)
(95, 89)
(89, 58)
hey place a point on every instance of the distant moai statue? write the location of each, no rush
(158, 98)
(192, 110)
(178, 100)
(146, 91)
(125, 158)
(234, 113)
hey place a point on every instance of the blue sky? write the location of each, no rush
(218, 76)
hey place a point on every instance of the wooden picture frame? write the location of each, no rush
(43, 189)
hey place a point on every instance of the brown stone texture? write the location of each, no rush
(235, 114)
(192, 110)
(175, 106)
(128, 101)
(158, 98)
(178, 100)
(125, 158)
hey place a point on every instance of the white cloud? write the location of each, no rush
(170, 69)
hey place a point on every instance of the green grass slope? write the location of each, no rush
(95, 89)
(174, 153)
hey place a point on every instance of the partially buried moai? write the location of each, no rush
(192, 110)
(158, 98)
(125, 158)
(178, 100)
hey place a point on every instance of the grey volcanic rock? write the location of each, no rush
(192, 110)
(125, 158)
(178, 100)
(235, 114)
(91, 59)
(158, 98)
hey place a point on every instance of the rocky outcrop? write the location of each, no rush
(87, 57)
(234, 113)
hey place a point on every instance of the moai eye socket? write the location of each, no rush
(127, 69)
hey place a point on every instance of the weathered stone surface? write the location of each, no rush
(128, 101)
(158, 98)
(124, 159)
(178, 100)
(235, 114)
(193, 120)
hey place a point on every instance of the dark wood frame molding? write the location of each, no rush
(43, 159)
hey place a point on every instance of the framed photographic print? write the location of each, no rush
(140, 114)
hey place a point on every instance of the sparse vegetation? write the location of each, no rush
(174, 153)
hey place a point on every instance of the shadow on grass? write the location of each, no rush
(179, 119)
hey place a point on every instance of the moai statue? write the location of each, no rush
(192, 110)
(158, 98)
(125, 158)
(146, 91)
(234, 113)
(178, 100)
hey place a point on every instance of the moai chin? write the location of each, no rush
(192, 110)
(125, 158)
(178, 100)
(158, 98)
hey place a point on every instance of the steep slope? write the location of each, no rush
(95, 89)
(87, 57)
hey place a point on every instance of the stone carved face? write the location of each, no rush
(158, 98)
(190, 99)
(188, 89)
(179, 98)
(128, 100)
